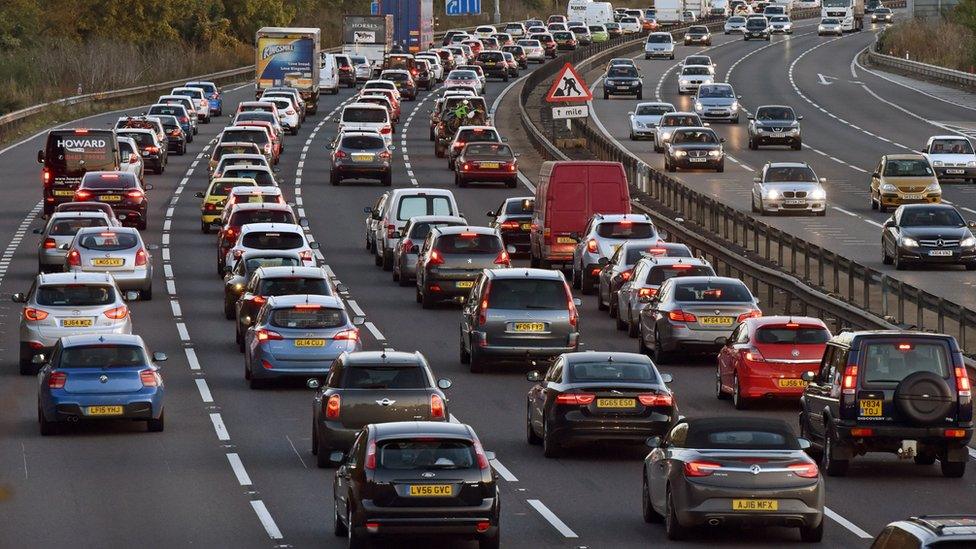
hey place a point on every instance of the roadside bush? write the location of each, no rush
(949, 42)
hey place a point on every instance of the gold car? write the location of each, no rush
(903, 179)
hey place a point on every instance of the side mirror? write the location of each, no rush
(889, 223)
(228, 269)
(368, 210)
(19, 298)
(149, 186)
(667, 378)
(653, 442)
(206, 155)
(577, 301)
(631, 113)
(804, 443)
(392, 147)
(511, 249)
(875, 174)
(725, 341)
(198, 194)
(444, 384)
(314, 245)
(160, 357)
(491, 214)
(312, 383)
(721, 140)
(534, 376)
(133, 158)
(799, 117)
(971, 224)
(337, 457)
(808, 376)
(130, 295)
(358, 320)
(39, 359)
(738, 97)
(750, 117)
(40, 157)
(823, 179)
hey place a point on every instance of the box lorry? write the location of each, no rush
(599, 13)
(288, 56)
(850, 13)
(669, 11)
(368, 35)
(576, 10)
(413, 23)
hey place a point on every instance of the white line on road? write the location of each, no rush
(204, 391)
(219, 428)
(355, 307)
(503, 471)
(175, 305)
(184, 334)
(238, 466)
(191, 358)
(375, 331)
(846, 524)
(552, 518)
(265, 517)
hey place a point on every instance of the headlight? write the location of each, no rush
(971, 163)
(938, 163)
(680, 153)
(888, 188)
(714, 153)
(772, 194)
(238, 287)
(818, 194)
(909, 242)
(933, 188)
(968, 242)
(698, 106)
(734, 106)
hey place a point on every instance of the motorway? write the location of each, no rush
(234, 467)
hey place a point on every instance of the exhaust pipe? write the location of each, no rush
(714, 521)
(73, 419)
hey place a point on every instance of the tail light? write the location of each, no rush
(752, 354)
(466, 166)
(654, 399)
(150, 378)
(386, 130)
(267, 335)
(805, 470)
(332, 406)
(141, 257)
(370, 453)
(135, 195)
(184, 120)
(862, 432)
(230, 235)
(755, 313)
(341, 154)
(56, 380)
(385, 155)
(510, 225)
(177, 132)
(306, 255)
(592, 246)
(33, 315)
(152, 149)
(955, 433)
(573, 313)
(259, 300)
(963, 386)
(625, 276)
(458, 145)
(210, 207)
(699, 468)
(482, 456)
(118, 313)
(483, 306)
(513, 167)
(435, 258)
(351, 334)
(646, 292)
(390, 229)
(849, 381)
(681, 316)
(73, 259)
(46, 176)
(436, 407)
(503, 259)
(575, 399)
(82, 195)
(50, 243)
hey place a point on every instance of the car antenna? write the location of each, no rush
(609, 358)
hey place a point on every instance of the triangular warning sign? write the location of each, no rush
(568, 86)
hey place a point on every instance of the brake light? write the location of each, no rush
(259, 299)
(46, 176)
(141, 257)
(82, 195)
(436, 407)
(150, 378)
(351, 334)
(805, 470)
(654, 399)
(184, 119)
(385, 155)
(386, 130)
(50, 243)
(510, 225)
(862, 432)
(963, 386)
(33, 315)
(209, 207)
(849, 382)
(699, 468)
(646, 292)
(592, 246)
(390, 229)
(658, 251)
(955, 433)
(230, 234)
(152, 149)
(81, 131)
(575, 399)
(435, 258)
(483, 307)
(681, 316)
(177, 132)
(755, 313)
(73, 259)
(135, 194)
(332, 406)
(753, 355)
(56, 380)
(482, 457)
(341, 154)
(459, 144)
(306, 255)
(503, 259)
(267, 335)
(118, 313)
(466, 166)
(681, 267)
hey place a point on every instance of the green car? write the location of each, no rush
(598, 33)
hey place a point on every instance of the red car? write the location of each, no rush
(548, 43)
(765, 357)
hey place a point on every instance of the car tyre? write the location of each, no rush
(356, 540)
(204, 227)
(631, 326)
(719, 393)
(738, 401)
(797, 146)
(660, 355)
(157, 425)
(334, 178)
(339, 527)
(647, 508)
(477, 363)
(426, 302)
(387, 261)
(640, 94)
(586, 283)
(641, 346)
(885, 258)
(228, 310)
(812, 534)
(550, 448)
(530, 436)
(953, 469)
(493, 542)
(321, 454)
(146, 294)
(899, 264)
(721, 167)
(672, 526)
(465, 355)
(606, 96)
(832, 466)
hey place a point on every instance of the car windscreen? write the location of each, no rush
(696, 70)
(375, 116)
(412, 206)
(426, 454)
(273, 240)
(292, 285)
(520, 207)
(528, 294)
(625, 229)
(486, 150)
(207, 88)
(621, 71)
(931, 217)
(75, 295)
(68, 227)
(697, 30)
(775, 113)
(307, 318)
(259, 137)
(756, 23)
(780, 19)
(712, 292)
(907, 168)
(609, 372)
(778, 174)
(659, 39)
(108, 241)
(686, 120)
(469, 243)
(892, 361)
(420, 230)
(362, 142)
(951, 146)
(530, 43)
(705, 137)
(715, 92)
(732, 438)
(462, 75)
(793, 335)
(102, 356)
(383, 377)
(659, 273)
(702, 60)
(261, 177)
(395, 76)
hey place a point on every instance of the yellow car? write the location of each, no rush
(216, 196)
(903, 179)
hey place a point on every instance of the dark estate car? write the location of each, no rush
(775, 125)
(623, 80)
(451, 260)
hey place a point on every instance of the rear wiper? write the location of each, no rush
(545, 307)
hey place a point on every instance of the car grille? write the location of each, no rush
(697, 154)
(775, 129)
(794, 206)
(912, 189)
(794, 194)
(945, 243)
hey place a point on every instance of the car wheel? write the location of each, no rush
(721, 167)
(157, 425)
(621, 323)
(530, 435)
(356, 540)
(204, 227)
(719, 393)
(550, 448)
(465, 355)
(660, 355)
(146, 294)
(885, 258)
(334, 178)
(752, 145)
(641, 346)
(601, 306)
(797, 146)
(322, 456)
(586, 282)
(647, 508)
(899, 264)
(812, 534)
(672, 526)
(254, 383)
(640, 94)
(953, 469)
(669, 166)
(47, 428)
(339, 527)
(606, 95)
(477, 363)
(512, 183)
(834, 467)
(738, 401)
(228, 310)
(387, 261)
(377, 257)
(426, 301)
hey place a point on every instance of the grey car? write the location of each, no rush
(645, 117)
(668, 123)
(411, 237)
(717, 102)
(119, 252)
(451, 260)
(731, 471)
(601, 238)
(58, 234)
(788, 187)
(696, 313)
(619, 269)
(237, 278)
(373, 387)
(361, 155)
(775, 125)
(515, 314)
(64, 304)
(645, 281)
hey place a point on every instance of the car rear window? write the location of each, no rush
(492, 150)
(108, 241)
(799, 335)
(233, 149)
(611, 372)
(469, 243)
(110, 181)
(528, 294)
(293, 285)
(409, 455)
(362, 142)
(68, 227)
(256, 115)
(254, 263)
(712, 292)
(273, 240)
(301, 318)
(653, 110)
(257, 136)
(412, 206)
(102, 356)
(659, 39)
(261, 216)
(625, 229)
(261, 177)
(729, 439)
(383, 377)
(660, 273)
(172, 110)
(419, 231)
(520, 207)
(364, 115)
(75, 295)
(479, 135)
(894, 360)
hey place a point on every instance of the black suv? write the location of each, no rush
(756, 27)
(889, 391)
(928, 531)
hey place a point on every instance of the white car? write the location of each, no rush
(273, 236)
(830, 25)
(436, 69)
(952, 157)
(659, 44)
(689, 17)
(693, 76)
(131, 160)
(630, 25)
(366, 117)
(288, 116)
(668, 123)
(780, 24)
(645, 117)
(515, 29)
(200, 101)
(533, 50)
(485, 31)
(362, 66)
(736, 23)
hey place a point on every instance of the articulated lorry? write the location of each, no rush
(287, 56)
(850, 13)
(413, 23)
(368, 35)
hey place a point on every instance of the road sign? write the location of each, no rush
(374, 7)
(575, 111)
(568, 87)
(463, 7)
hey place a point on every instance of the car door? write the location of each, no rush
(607, 273)
(726, 356)
(876, 179)
(469, 311)
(661, 463)
(345, 477)
(817, 395)
(540, 394)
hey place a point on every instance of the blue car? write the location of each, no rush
(212, 93)
(95, 377)
(298, 336)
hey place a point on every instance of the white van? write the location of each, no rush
(576, 10)
(599, 13)
(400, 206)
(366, 117)
(329, 74)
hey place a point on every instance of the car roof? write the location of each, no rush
(127, 230)
(75, 214)
(458, 229)
(297, 271)
(251, 254)
(693, 279)
(522, 272)
(399, 429)
(420, 191)
(435, 218)
(327, 301)
(74, 277)
(615, 218)
(280, 227)
(245, 156)
(947, 525)
(135, 130)
(760, 321)
(275, 206)
(934, 137)
(518, 198)
(236, 143)
(667, 261)
(96, 339)
(364, 106)
(605, 356)
(253, 167)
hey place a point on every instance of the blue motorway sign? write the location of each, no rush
(463, 7)
(374, 7)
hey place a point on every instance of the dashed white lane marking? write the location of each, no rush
(972, 453)
(219, 427)
(175, 306)
(403, 138)
(184, 334)
(204, 390)
(11, 249)
(375, 331)
(856, 63)
(853, 528)
(239, 471)
(191, 358)
(355, 307)
(265, 517)
(503, 471)
(551, 517)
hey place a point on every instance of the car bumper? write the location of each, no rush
(710, 163)
(922, 255)
(800, 205)
(297, 368)
(780, 138)
(686, 87)
(51, 257)
(495, 72)
(894, 200)
(63, 406)
(444, 288)
(792, 512)
(130, 216)
(575, 427)
(622, 90)
(767, 386)
(889, 438)
(451, 521)
(718, 114)
(50, 336)
(682, 337)
(487, 175)
(658, 53)
(362, 169)
(532, 349)
(757, 35)
(642, 132)
(954, 172)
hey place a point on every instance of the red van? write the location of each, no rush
(567, 196)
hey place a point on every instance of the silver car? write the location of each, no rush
(620, 267)
(646, 278)
(58, 234)
(119, 252)
(787, 187)
(659, 44)
(130, 158)
(695, 313)
(670, 122)
(411, 237)
(780, 24)
(601, 238)
(736, 23)
(830, 25)
(645, 117)
(515, 314)
(65, 304)
(692, 77)
(717, 102)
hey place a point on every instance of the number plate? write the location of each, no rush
(912, 197)
(956, 172)
(108, 262)
(791, 383)
(565, 240)
(529, 326)
(110, 198)
(697, 159)
(255, 199)
(616, 403)
(309, 343)
(491, 165)
(755, 505)
(465, 284)
(941, 253)
(431, 490)
(715, 320)
(794, 201)
(105, 410)
(77, 323)
(870, 407)
(67, 192)
(362, 157)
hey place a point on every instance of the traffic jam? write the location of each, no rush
(381, 418)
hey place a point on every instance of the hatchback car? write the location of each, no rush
(129, 158)
(788, 187)
(239, 215)
(154, 152)
(513, 219)
(118, 251)
(903, 179)
(121, 190)
(62, 304)
(928, 233)
(268, 282)
(486, 162)
(493, 64)
(735, 24)
(361, 155)
(272, 236)
(237, 278)
(618, 270)
(698, 34)
(515, 314)
(780, 24)
(694, 148)
(58, 233)
(411, 237)
(98, 377)
(518, 55)
(951, 156)
(928, 532)
(717, 102)
(215, 198)
(212, 93)
(175, 137)
(257, 135)
(533, 50)
(470, 134)
(669, 122)
(451, 260)
(232, 147)
(830, 26)
(604, 235)
(648, 274)
(623, 80)
(229, 160)
(757, 28)
(404, 82)
(188, 123)
(694, 313)
(366, 117)
(394, 209)
(882, 15)
(659, 44)
(548, 43)
(200, 101)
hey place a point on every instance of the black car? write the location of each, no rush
(928, 532)
(514, 220)
(175, 138)
(417, 478)
(901, 392)
(928, 233)
(122, 191)
(598, 396)
(623, 80)
(423, 75)
(493, 64)
(757, 27)
(698, 34)
(695, 148)
(775, 125)
(237, 278)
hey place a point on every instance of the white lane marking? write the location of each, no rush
(204, 390)
(191, 358)
(297, 453)
(972, 453)
(873, 222)
(853, 528)
(265, 517)
(11, 249)
(168, 270)
(558, 524)
(355, 307)
(842, 210)
(175, 305)
(165, 254)
(375, 331)
(403, 137)
(503, 471)
(856, 63)
(219, 427)
(239, 471)
(184, 334)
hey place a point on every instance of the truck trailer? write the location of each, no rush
(368, 35)
(413, 23)
(288, 56)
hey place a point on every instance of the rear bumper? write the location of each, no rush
(568, 429)
(73, 407)
(452, 521)
(487, 175)
(697, 504)
(889, 438)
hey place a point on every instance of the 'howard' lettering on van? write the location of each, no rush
(275, 49)
(89, 143)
